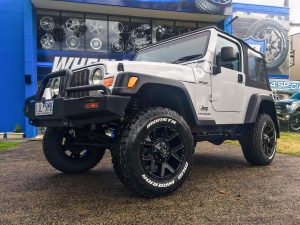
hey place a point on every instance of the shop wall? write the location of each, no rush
(11, 65)
(295, 59)
(265, 28)
(17, 45)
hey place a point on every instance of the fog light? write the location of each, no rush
(91, 105)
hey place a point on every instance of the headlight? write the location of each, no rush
(289, 108)
(55, 87)
(97, 77)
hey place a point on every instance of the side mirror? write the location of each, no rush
(216, 69)
(228, 54)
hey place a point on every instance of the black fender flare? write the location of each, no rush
(120, 88)
(254, 108)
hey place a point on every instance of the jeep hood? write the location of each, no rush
(165, 70)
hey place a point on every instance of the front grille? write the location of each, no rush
(80, 78)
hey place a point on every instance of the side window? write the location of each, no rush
(257, 69)
(232, 64)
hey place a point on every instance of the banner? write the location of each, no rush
(219, 7)
(265, 29)
(285, 86)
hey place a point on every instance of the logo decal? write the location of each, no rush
(258, 44)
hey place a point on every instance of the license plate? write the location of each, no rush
(44, 108)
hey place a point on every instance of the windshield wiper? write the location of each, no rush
(187, 58)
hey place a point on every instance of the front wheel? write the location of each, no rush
(155, 153)
(260, 141)
(294, 122)
(63, 155)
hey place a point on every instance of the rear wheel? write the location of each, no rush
(63, 155)
(155, 153)
(259, 142)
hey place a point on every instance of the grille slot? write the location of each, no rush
(80, 78)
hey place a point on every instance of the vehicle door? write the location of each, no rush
(228, 78)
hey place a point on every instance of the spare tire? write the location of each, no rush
(276, 37)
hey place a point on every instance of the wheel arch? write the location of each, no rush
(259, 104)
(158, 91)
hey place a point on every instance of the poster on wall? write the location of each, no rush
(280, 3)
(267, 33)
(219, 7)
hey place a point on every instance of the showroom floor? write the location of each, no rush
(222, 189)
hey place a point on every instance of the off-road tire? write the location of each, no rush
(252, 142)
(211, 7)
(127, 159)
(55, 155)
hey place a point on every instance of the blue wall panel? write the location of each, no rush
(30, 56)
(11, 65)
(14, 15)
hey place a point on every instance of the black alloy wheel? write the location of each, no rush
(63, 155)
(162, 152)
(269, 140)
(259, 141)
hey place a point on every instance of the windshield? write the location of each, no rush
(177, 51)
(296, 96)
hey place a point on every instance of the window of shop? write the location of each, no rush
(48, 30)
(71, 31)
(96, 34)
(182, 27)
(74, 30)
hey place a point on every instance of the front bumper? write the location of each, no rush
(72, 112)
(283, 116)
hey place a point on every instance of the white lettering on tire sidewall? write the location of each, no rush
(162, 119)
(166, 184)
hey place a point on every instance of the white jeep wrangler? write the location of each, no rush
(150, 113)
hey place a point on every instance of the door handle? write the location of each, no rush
(240, 78)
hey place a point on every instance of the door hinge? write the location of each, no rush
(210, 98)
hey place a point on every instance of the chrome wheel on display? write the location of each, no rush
(117, 46)
(117, 27)
(96, 43)
(47, 23)
(73, 24)
(47, 41)
(73, 42)
(95, 27)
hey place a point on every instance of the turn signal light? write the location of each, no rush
(132, 82)
(108, 81)
(91, 105)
